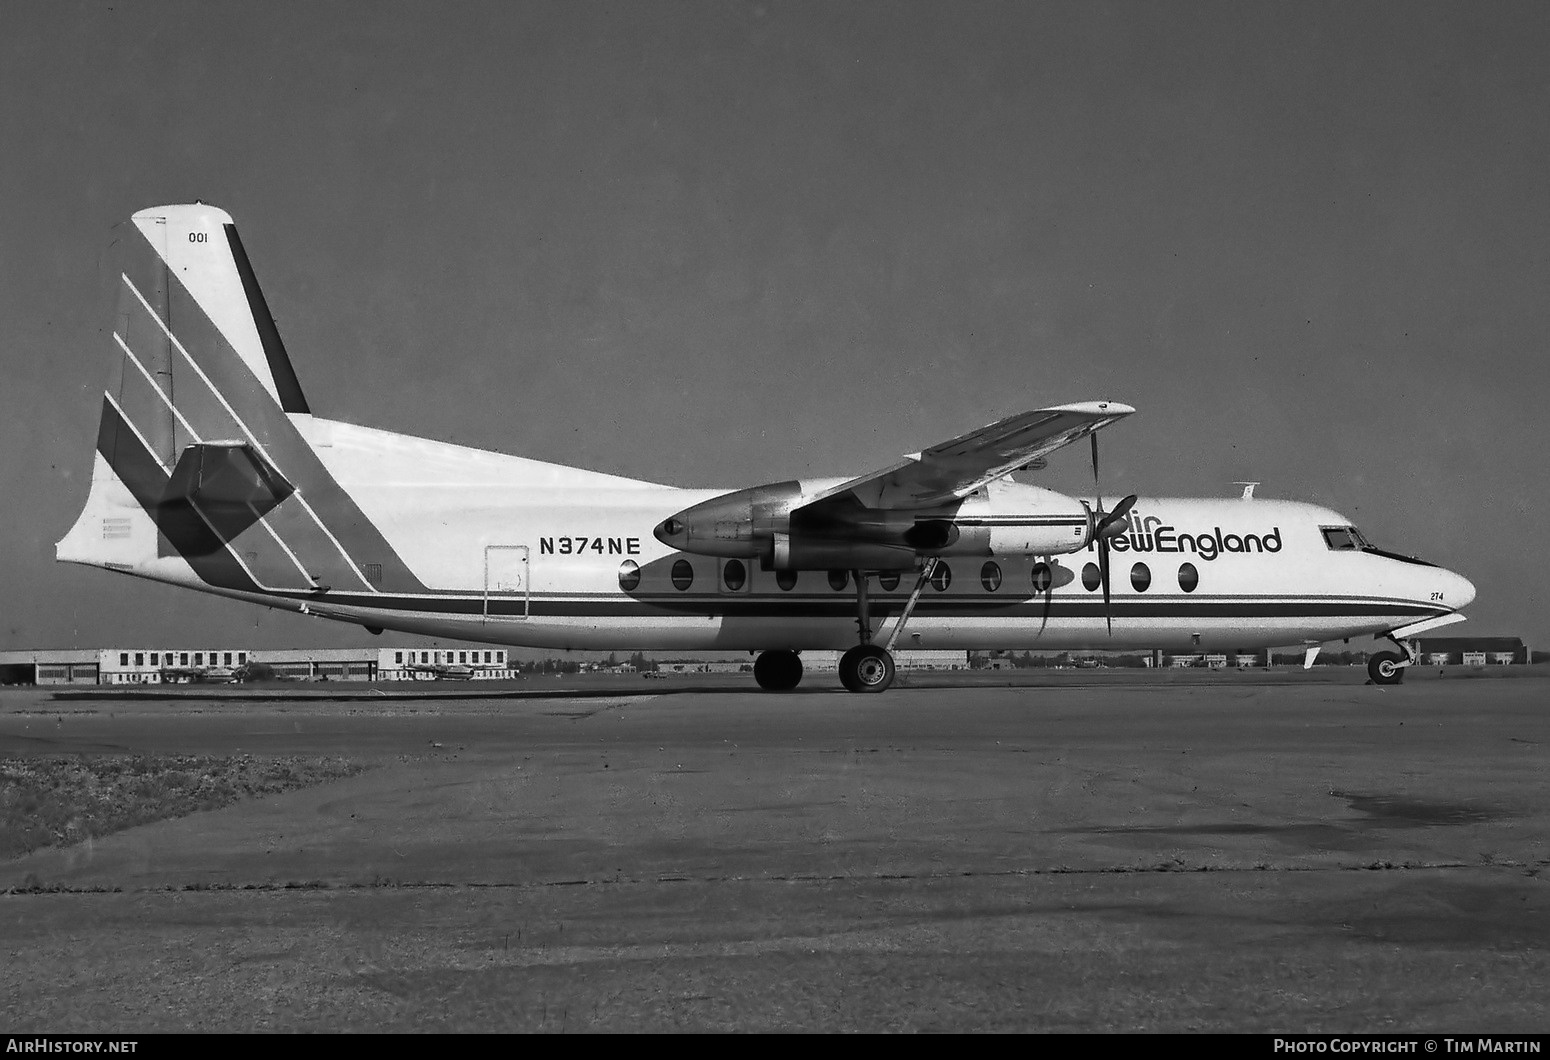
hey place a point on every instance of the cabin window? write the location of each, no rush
(1140, 577)
(683, 575)
(1091, 579)
(1042, 578)
(1189, 577)
(734, 574)
(199, 658)
(123, 658)
(888, 580)
(786, 579)
(941, 577)
(139, 658)
(990, 576)
(838, 579)
(155, 658)
(629, 575)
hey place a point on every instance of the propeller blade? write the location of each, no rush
(1097, 490)
(1048, 594)
(1106, 526)
(1103, 576)
(1114, 524)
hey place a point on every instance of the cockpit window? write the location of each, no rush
(1350, 539)
(1344, 538)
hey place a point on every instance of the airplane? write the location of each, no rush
(213, 473)
(198, 675)
(441, 672)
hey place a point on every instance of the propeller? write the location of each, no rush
(1105, 526)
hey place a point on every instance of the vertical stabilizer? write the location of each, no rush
(199, 246)
(202, 475)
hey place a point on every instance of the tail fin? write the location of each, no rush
(188, 275)
(200, 472)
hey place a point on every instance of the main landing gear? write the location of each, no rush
(867, 667)
(778, 671)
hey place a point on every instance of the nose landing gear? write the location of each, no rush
(1384, 668)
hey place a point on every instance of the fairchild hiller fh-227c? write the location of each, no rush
(213, 473)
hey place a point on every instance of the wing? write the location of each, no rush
(956, 468)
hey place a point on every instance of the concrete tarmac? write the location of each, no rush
(1246, 853)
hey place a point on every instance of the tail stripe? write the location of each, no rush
(142, 472)
(204, 410)
(262, 520)
(251, 437)
(186, 311)
(285, 381)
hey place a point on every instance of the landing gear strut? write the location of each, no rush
(778, 671)
(867, 667)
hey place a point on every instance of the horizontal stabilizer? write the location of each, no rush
(226, 485)
(227, 473)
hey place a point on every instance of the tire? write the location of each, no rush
(778, 671)
(867, 668)
(1384, 668)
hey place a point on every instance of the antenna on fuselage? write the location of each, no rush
(1248, 490)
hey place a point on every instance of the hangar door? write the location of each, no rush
(505, 581)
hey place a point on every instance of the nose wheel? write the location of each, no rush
(1384, 668)
(867, 668)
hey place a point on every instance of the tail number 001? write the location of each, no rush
(198, 237)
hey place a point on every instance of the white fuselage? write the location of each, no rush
(514, 551)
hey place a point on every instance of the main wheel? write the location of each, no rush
(1384, 668)
(778, 671)
(866, 668)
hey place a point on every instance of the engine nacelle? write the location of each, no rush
(741, 524)
(775, 525)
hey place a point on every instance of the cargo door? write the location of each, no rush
(505, 581)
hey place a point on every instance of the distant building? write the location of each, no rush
(1473, 651)
(427, 664)
(156, 666)
(68, 666)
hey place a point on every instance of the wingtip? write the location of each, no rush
(1094, 408)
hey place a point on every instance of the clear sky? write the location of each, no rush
(725, 243)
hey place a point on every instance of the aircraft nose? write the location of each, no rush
(1457, 590)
